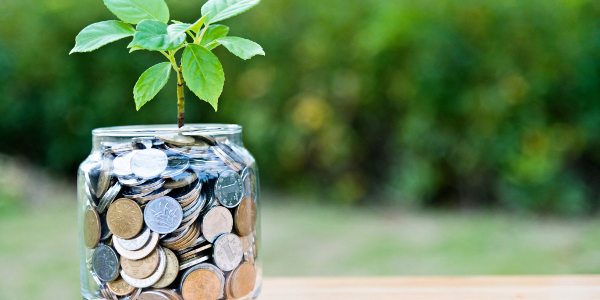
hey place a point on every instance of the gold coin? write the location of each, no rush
(120, 287)
(177, 139)
(171, 272)
(201, 284)
(241, 281)
(91, 228)
(143, 268)
(125, 218)
(245, 216)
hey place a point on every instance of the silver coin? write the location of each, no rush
(152, 196)
(131, 180)
(149, 186)
(249, 179)
(154, 278)
(229, 189)
(105, 263)
(228, 251)
(149, 163)
(137, 242)
(192, 262)
(109, 197)
(163, 215)
(122, 164)
(91, 171)
(175, 167)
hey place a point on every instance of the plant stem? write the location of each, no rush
(180, 98)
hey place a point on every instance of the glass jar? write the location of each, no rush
(169, 213)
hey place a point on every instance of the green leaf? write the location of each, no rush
(135, 49)
(100, 34)
(153, 35)
(203, 73)
(219, 10)
(135, 11)
(198, 25)
(214, 32)
(150, 83)
(177, 30)
(241, 47)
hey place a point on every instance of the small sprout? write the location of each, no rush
(199, 69)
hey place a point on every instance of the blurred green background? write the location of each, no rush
(428, 137)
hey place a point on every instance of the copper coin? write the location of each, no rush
(120, 287)
(241, 281)
(106, 171)
(181, 180)
(245, 216)
(217, 221)
(172, 294)
(125, 218)
(153, 295)
(91, 228)
(143, 268)
(201, 284)
(171, 271)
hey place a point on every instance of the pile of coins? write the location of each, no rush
(171, 217)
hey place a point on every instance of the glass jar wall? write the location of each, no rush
(168, 213)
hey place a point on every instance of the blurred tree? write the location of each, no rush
(449, 102)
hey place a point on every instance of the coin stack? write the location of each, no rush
(171, 217)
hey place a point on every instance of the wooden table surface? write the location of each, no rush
(434, 288)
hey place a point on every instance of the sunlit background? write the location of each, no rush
(394, 137)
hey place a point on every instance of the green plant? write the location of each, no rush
(199, 68)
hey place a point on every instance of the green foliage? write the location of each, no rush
(135, 11)
(452, 103)
(212, 33)
(150, 83)
(203, 73)
(100, 34)
(153, 35)
(201, 69)
(243, 48)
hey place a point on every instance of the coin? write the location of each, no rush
(163, 215)
(105, 263)
(194, 252)
(229, 188)
(149, 186)
(109, 196)
(172, 294)
(247, 242)
(120, 287)
(228, 251)
(131, 180)
(245, 216)
(93, 201)
(125, 218)
(139, 254)
(91, 228)
(249, 179)
(202, 284)
(137, 242)
(104, 177)
(217, 221)
(171, 271)
(143, 268)
(105, 232)
(122, 164)
(149, 163)
(192, 262)
(241, 281)
(144, 283)
(153, 295)
(152, 196)
(179, 181)
(175, 167)
(91, 171)
(177, 139)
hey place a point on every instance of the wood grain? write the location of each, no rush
(434, 288)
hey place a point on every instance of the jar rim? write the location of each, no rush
(144, 130)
